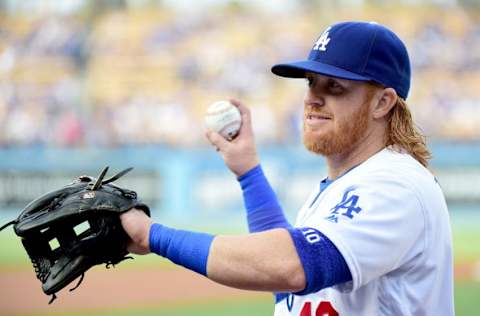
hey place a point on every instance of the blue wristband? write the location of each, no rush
(263, 210)
(186, 248)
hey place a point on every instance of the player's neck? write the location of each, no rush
(339, 164)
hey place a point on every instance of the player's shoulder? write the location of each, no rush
(394, 164)
(395, 176)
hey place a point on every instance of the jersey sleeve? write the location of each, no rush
(377, 225)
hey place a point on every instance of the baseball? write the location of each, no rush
(224, 118)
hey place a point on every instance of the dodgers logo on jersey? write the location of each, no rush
(348, 205)
(322, 42)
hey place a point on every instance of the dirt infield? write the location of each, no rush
(113, 288)
(128, 287)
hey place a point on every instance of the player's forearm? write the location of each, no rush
(263, 209)
(264, 261)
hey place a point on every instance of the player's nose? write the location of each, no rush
(313, 100)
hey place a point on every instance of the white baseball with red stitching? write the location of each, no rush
(224, 118)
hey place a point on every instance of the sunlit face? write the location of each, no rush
(336, 114)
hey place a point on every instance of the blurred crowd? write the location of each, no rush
(129, 76)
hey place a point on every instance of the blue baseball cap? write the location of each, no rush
(364, 51)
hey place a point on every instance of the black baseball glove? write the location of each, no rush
(94, 205)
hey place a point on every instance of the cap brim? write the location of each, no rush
(297, 69)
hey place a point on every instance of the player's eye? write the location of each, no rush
(310, 80)
(335, 87)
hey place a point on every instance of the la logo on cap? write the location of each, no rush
(322, 42)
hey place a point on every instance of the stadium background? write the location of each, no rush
(84, 84)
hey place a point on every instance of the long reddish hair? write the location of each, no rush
(403, 134)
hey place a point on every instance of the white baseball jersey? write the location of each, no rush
(389, 220)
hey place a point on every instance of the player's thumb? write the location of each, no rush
(217, 140)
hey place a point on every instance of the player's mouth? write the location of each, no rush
(315, 119)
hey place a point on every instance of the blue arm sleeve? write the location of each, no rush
(323, 264)
(186, 248)
(263, 210)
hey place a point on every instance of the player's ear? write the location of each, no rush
(385, 102)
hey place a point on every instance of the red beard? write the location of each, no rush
(344, 136)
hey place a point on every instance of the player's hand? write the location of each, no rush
(137, 225)
(240, 154)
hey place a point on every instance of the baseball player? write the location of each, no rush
(374, 236)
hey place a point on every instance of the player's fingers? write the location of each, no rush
(246, 115)
(244, 110)
(217, 140)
